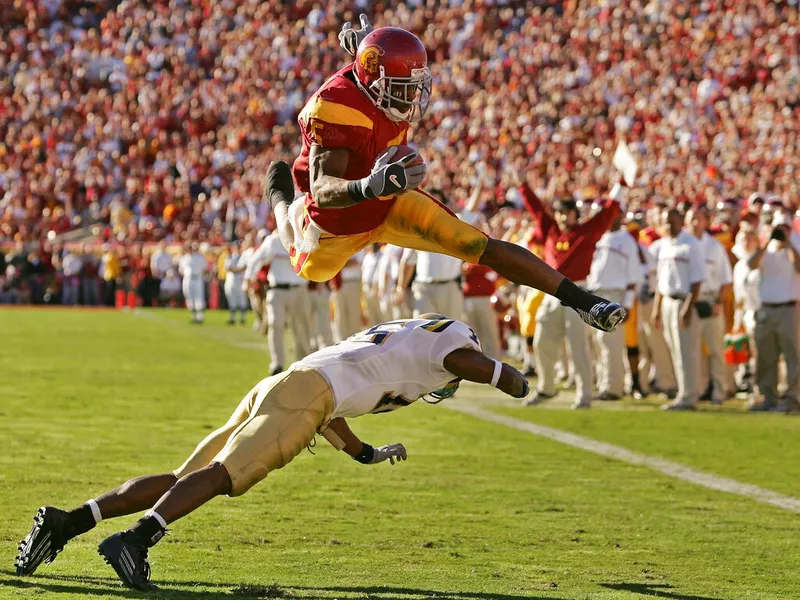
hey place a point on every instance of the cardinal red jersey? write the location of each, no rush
(570, 252)
(340, 115)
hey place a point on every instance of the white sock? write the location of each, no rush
(157, 517)
(95, 511)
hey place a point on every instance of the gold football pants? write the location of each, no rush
(417, 221)
(272, 424)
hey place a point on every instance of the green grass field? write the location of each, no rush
(478, 512)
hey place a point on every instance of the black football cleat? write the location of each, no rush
(128, 559)
(45, 540)
(605, 316)
(278, 184)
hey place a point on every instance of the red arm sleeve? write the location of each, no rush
(536, 209)
(599, 224)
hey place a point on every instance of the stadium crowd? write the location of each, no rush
(141, 123)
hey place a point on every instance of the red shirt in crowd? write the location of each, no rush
(479, 280)
(570, 252)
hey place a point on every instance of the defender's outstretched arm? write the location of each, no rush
(474, 366)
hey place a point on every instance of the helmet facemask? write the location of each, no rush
(444, 393)
(403, 98)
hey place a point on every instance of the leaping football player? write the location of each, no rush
(378, 370)
(361, 184)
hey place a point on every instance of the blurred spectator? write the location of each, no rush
(90, 283)
(479, 286)
(777, 263)
(680, 273)
(170, 289)
(161, 261)
(71, 265)
(111, 270)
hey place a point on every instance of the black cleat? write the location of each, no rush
(45, 540)
(128, 559)
(278, 184)
(605, 316)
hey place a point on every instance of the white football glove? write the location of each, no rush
(393, 452)
(350, 38)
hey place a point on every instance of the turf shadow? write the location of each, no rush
(654, 590)
(92, 587)
(382, 592)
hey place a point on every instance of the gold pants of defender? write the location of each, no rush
(417, 221)
(272, 424)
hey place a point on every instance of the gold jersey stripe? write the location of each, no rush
(334, 113)
(396, 141)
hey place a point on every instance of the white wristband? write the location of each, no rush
(627, 301)
(498, 369)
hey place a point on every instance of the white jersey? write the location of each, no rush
(390, 365)
(192, 266)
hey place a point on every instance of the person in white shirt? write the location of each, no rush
(615, 274)
(369, 283)
(319, 317)
(347, 298)
(254, 294)
(654, 358)
(775, 332)
(716, 286)
(193, 266)
(394, 306)
(286, 300)
(234, 282)
(746, 284)
(71, 265)
(681, 271)
(160, 262)
(437, 285)
(382, 369)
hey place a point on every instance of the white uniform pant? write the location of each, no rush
(713, 366)
(396, 312)
(653, 353)
(611, 347)
(483, 320)
(287, 306)
(684, 345)
(194, 293)
(445, 298)
(234, 293)
(372, 303)
(347, 308)
(320, 319)
(554, 322)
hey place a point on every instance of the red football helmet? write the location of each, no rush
(391, 67)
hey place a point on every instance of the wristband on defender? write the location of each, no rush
(366, 455)
(354, 190)
(498, 370)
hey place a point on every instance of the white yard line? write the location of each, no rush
(667, 467)
(673, 469)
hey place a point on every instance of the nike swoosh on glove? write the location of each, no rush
(390, 178)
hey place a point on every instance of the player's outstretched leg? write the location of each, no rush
(524, 268)
(53, 527)
(126, 551)
(511, 261)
